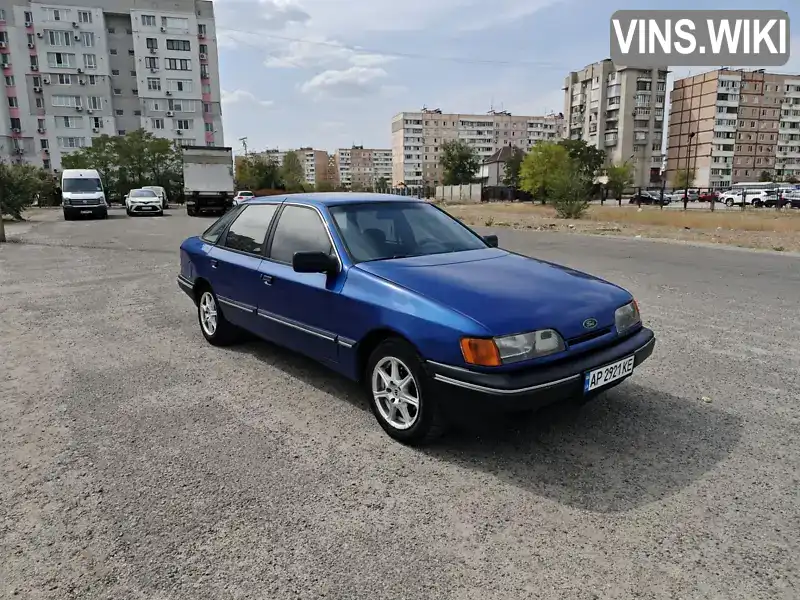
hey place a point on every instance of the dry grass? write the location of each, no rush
(760, 228)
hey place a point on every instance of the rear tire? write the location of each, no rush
(400, 393)
(217, 330)
(192, 212)
(729, 203)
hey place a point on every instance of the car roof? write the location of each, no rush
(335, 198)
(142, 190)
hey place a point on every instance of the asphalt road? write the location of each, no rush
(136, 461)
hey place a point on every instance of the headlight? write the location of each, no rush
(511, 348)
(627, 317)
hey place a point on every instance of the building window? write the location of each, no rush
(113, 51)
(119, 112)
(175, 23)
(157, 123)
(10, 81)
(204, 49)
(39, 102)
(71, 142)
(204, 73)
(206, 107)
(179, 45)
(115, 72)
(131, 52)
(2, 14)
(12, 102)
(157, 105)
(34, 62)
(209, 127)
(56, 14)
(94, 102)
(135, 91)
(15, 123)
(31, 39)
(59, 38)
(133, 73)
(112, 30)
(92, 79)
(87, 39)
(137, 113)
(69, 122)
(152, 43)
(117, 92)
(149, 20)
(180, 85)
(63, 79)
(183, 124)
(28, 16)
(66, 101)
(201, 29)
(181, 105)
(206, 88)
(90, 61)
(120, 132)
(154, 84)
(151, 62)
(84, 16)
(44, 144)
(178, 64)
(40, 124)
(97, 122)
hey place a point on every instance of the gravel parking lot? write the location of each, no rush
(136, 461)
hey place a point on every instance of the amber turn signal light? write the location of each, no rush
(481, 352)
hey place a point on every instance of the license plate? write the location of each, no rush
(605, 375)
(147, 208)
(86, 212)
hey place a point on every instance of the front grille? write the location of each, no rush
(580, 339)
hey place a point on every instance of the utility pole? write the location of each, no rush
(244, 145)
(2, 225)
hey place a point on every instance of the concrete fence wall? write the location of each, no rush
(469, 193)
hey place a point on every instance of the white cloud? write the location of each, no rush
(347, 83)
(243, 97)
(245, 22)
(318, 51)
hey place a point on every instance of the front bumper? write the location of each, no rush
(85, 209)
(144, 209)
(534, 388)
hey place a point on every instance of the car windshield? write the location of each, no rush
(81, 186)
(142, 194)
(245, 193)
(384, 230)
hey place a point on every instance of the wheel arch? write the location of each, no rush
(366, 346)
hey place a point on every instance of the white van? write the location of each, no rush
(82, 193)
(160, 192)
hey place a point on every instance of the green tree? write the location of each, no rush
(324, 186)
(792, 179)
(683, 178)
(381, 184)
(256, 172)
(293, 173)
(549, 171)
(357, 186)
(460, 162)
(589, 159)
(512, 169)
(131, 161)
(765, 176)
(19, 186)
(619, 177)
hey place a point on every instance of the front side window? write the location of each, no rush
(379, 231)
(299, 229)
(249, 231)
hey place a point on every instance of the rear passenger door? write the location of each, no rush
(235, 262)
(300, 309)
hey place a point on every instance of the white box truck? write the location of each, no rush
(208, 184)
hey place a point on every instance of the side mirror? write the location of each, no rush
(491, 240)
(314, 262)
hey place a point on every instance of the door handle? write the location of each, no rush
(214, 263)
(267, 279)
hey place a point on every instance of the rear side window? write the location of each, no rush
(249, 231)
(299, 229)
(211, 235)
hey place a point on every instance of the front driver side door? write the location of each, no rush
(300, 309)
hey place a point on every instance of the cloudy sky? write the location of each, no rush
(332, 73)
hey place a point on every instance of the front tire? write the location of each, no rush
(400, 395)
(729, 203)
(217, 330)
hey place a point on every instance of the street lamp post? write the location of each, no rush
(688, 156)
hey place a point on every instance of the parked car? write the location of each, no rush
(397, 294)
(738, 197)
(649, 198)
(709, 196)
(242, 196)
(143, 202)
(161, 193)
(793, 199)
(678, 196)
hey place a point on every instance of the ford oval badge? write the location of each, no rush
(590, 323)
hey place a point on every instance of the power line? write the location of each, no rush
(392, 54)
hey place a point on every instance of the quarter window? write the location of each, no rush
(212, 234)
(299, 230)
(249, 231)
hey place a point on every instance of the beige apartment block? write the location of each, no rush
(364, 167)
(316, 163)
(731, 126)
(417, 138)
(620, 110)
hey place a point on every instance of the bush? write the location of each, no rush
(570, 194)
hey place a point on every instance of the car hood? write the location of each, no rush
(507, 293)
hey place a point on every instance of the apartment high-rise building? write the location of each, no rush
(620, 110)
(72, 72)
(417, 138)
(730, 126)
(364, 167)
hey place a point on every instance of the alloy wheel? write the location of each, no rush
(208, 313)
(395, 393)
